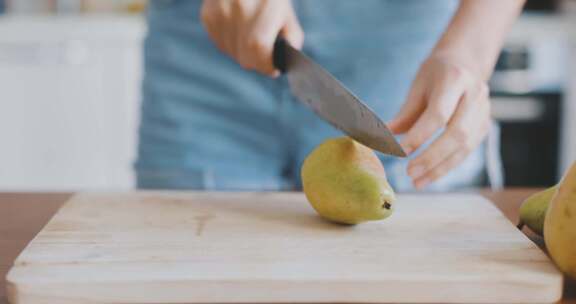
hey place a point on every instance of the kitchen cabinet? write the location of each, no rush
(568, 155)
(69, 99)
(534, 101)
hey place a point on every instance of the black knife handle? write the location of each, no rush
(279, 54)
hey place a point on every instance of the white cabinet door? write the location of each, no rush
(68, 111)
(569, 110)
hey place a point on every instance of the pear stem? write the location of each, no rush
(520, 225)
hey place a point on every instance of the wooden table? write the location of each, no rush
(22, 215)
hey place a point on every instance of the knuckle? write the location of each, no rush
(257, 45)
(456, 72)
(459, 74)
(239, 8)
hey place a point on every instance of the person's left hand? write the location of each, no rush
(446, 95)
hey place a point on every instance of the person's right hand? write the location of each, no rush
(247, 29)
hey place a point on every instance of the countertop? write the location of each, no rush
(22, 215)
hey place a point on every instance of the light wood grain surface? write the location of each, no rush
(183, 248)
(22, 215)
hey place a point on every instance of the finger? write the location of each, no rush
(229, 26)
(230, 41)
(258, 41)
(253, 54)
(411, 109)
(292, 31)
(209, 26)
(440, 170)
(464, 133)
(261, 50)
(436, 153)
(443, 146)
(238, 35)
(214, 17)
(440, 108)
(217, 36)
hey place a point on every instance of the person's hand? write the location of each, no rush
(445, 95)
(247, 29)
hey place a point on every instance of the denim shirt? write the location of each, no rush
(208, 124)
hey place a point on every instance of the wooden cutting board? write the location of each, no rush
(162, 247)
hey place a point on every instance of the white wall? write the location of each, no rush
(68, 102)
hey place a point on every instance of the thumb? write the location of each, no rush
(410, 111)
(292, 31)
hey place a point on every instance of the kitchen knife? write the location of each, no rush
(329, 99)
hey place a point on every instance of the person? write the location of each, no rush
(217, 115)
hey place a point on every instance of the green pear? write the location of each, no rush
(560, 224)
(533, 210)
(345, 182)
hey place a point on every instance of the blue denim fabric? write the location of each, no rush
(208, 124)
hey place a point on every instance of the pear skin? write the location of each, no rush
(533, 210)
(345, 182)
(560, 224)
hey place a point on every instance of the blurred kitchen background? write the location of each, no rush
(70, 75)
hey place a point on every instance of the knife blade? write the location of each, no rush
(332, 101)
